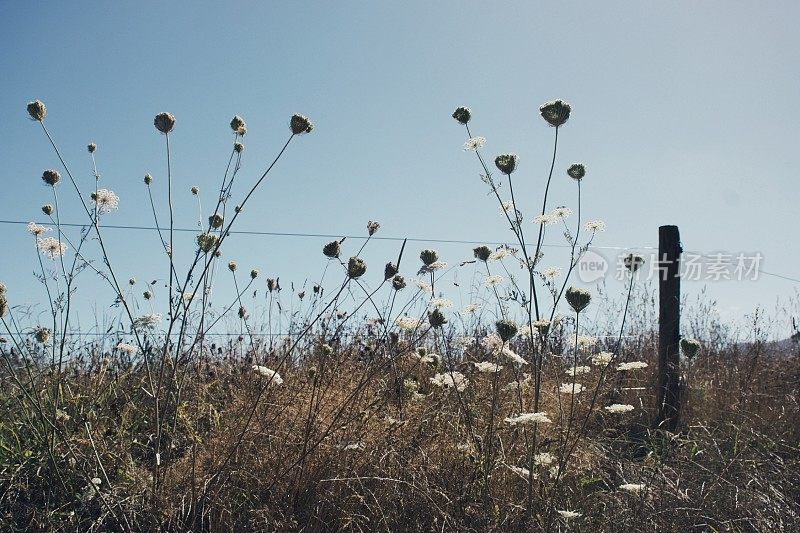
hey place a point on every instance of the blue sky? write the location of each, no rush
(684, 113)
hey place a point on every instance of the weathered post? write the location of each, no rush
(669, 296)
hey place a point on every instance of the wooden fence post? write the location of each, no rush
(669, 299)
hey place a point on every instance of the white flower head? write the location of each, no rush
(421, 285)
(486, 366)
(528, 418)
(619, 408)
(474, 144)
(492, 342)
(408, 323)
(634, 488)
(602, 359)
(578, 370)
(148, 321)
(105, 200)
(545, 219)
(584, 341)
(500, 254)
(265, 372)
(37, 229)
(571, 388)
(595, 226)
(51, 247)
(493, 281)
(124, 347)
(551, 272)
(633, 365)
(543, 459)
(561, 213)
(450, 380)
(440, 303)
(513, 358)
(471, 309)
(570, 514)
(520, 471)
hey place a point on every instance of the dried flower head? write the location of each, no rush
(690, 347)
(126, 348)
(51, 177)
(132, 281)
(372, 227)
(147, 295)
(451, 380)
(428, 257)
(47, 209)
(148, 179)
(238, 125)
(506, 163)
(216, 220)
(462, 114)
(300, 124)
(551, 272)
(164, 122)
(238, 148)
(91, 147)
(398, 282)
(440, 303)
(506, 329)
(195, 190)
(389, 270)
(42, 335)
(356, 267)
(3, 305)
(332, 249)
(487, 366)
(272, 284)
(528, 419)
(436, 318)
(232, 266)
(633, 262)
(569, 514)
(556, 113)
(493, 280)
(242, 312)
(206, 242)
(482, 253)
(105, 200)
(602, 359)
(37, 110)
(578, 298)
(576, 171)
(254, 273)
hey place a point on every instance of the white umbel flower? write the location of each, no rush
(571, 388)
(619, 408)
(633, 365)
(528, 418)
(474, 144)
(105, 200)
(634, 488)
(486, 366)
(493, 281)
(265, 372)
(124, 347)
(450, 380)
(602, 359)
(578, 370)
(595, 226)
(51, 247)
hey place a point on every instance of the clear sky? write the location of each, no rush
(684, 112)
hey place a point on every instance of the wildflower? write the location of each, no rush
(486, 366)
(493, 281)
(91, 147)
(265, 372)
(542, 326)
(232, 266)
(584, 341)
(543, 459)
(132, 281)
(506, 163)
(148, 321)
(216, 220)
(51, 177)
(428, 256)
(147, 295)
(500, 254)
(332, 249)
(51, 247)
(450, 380)
(492, 342)
(398, 282)
(619, 408)
(408, 323)
(576, 171)
(148, 179)
(602, 359)
(551, 272)
(353, 447)
(238, 147)
(506, 329)
(195, 190)
(372, 228)
(474, 144)
(42, 335)
(690, 347)
(272, 284)
(36, 229)
(528, 418)
(556, 113)
(569, 514)
(516, 385)
(237, 125)
(635, 488)
(300, 124)
(633, 365)
(437, 318)
(421, 285)
(462, 114)
(578, 299)
(164, 122)
(482, 253)
(633, 262)
(389, 270)
(440, 303)
(47, 209)
(187, 296)
(471, 309)
(206, 242)
(595, 226)
(254, 273)
(571, 388)
(356, 267)
(578, 370)
(243, 312)
(513, 358)
(105, 200)
(37, 110)
(546, 219)
(126, 348)
(433, 267)
(561, 213)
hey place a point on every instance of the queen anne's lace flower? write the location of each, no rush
(474, 144)
(408, 323)
(619, 408)
(633, 487)
(633, 365)
(486, 366)
(265, 372)
(36, 229)
(578, 370)
(124, 347)
(571, 388)
(51, 247)
(440, 303)
(602, 359)
(105, 200)
(450, 380)
(595, 226)
(528, 418)
(493, 281)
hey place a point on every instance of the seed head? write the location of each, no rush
(242, 311)
(428, 257)
(389, 270)
(47, 209)
(506, 163)
(51, 177)
(398, 282)
(3, 305)
(633, 262)
(238, 148)
(332, 249)
(462, 114)
(254, 273)
(482, 253)
(237, 125)
(356, 267)
(206, 242)
(436, 318)
(372, 227)
(578, 299)
(216, 220)
(576, 171)
(556, 113)
(300, 124)
(506, 329)
(195, 190)
(232, 266)
(147, 295)
(132, 282)
(272, 284)
(164, 122)
(148, 179)
(690, 348)
(3, 289)
(37, 110)
(91, 147)
(42, 335)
